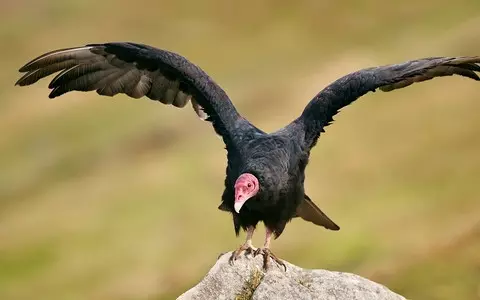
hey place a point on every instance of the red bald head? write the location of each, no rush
(246, 187)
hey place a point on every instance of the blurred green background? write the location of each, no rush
(116, 198)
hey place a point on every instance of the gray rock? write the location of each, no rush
(247, 280)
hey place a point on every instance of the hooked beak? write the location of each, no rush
(238, 206)
(240, 200)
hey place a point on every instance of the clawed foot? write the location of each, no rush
(266, 253)
(245, 247)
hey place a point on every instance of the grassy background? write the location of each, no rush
(115, 198)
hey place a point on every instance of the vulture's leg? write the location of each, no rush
(266, 252)
(247, 246)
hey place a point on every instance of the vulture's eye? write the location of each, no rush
(249, 185)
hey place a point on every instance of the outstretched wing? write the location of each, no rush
(136, 70)
(320, 110)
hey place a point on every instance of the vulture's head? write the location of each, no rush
(246, 187)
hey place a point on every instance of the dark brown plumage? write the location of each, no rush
(265, 169)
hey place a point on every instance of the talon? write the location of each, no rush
(220, 255)
(232, 259)
(249, 250)
(265, 261)
(235, 254)
(247, 246)
(266, 253)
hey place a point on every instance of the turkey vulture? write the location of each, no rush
(265, 172)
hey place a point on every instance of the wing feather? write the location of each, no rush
(137, 70)
(34, 75)
(320, 110)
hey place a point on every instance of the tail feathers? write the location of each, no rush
(310, 212)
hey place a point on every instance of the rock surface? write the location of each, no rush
(247, 280)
